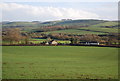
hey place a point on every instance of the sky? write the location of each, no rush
(57, 10)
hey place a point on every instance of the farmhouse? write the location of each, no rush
(53, 42)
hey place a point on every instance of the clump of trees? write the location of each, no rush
(57, 27)
(12, 35)
(90, 38)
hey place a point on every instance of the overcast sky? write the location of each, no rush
(46, 11)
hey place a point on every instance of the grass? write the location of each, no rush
(110, 23)
(59, 62)
(75, 31)
(36, 41)
(94, 29)
(100, 29)
(64, 41)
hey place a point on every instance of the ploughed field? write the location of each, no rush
(59, 62)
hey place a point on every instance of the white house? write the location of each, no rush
(53, 42)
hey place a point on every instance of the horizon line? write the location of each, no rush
(55, 20)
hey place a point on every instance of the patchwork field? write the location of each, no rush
(59, 62)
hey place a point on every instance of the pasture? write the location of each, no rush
(92, 30)
(75, 31)
(59, 62)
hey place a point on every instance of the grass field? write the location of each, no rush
(75, 31)
(36, 41)
(109, 30)
(82, 31)
(111, 23)
(94, 29)
(59, 62)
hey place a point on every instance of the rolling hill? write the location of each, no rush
(73, 26)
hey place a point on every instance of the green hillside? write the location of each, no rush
(110, 26)
(78, 26)
(98, 29)
(79, 22)
(110, 23)
(75, 31)
(101, 28)
(67, 22)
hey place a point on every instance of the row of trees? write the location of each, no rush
(57, 27)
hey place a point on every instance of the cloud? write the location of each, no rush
(106, 11)
(61, 1)
(20, 12)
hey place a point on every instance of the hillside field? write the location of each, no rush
(76, 31)
(97, 29)
(59, 62)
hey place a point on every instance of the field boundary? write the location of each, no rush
(116, 46)
(60, 79)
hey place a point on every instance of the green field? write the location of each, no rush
(100, 29)
(37, 41)
(75, 31)
(93, 29)
(111, 23)
(59, 62)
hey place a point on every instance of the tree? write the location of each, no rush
(74, 40)
(49, 39)
(12, 35)
(90, 38)
(25, 38)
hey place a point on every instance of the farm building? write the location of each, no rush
(89, 43)
(47, 43)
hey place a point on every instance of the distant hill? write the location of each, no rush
(74, 26)
(73, 22)
(61, 22)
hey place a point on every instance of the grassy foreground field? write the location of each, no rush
(59, 62)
